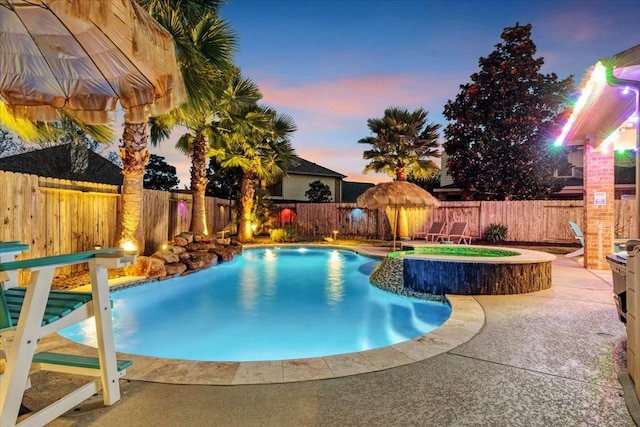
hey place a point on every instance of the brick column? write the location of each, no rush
(599, 216)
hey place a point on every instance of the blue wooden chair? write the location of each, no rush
(617, 243)
(30, 313)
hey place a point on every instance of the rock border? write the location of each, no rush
(185, 254)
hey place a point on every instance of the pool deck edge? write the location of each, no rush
(466, 320)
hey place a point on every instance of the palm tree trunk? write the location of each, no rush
(401, 173)
(247, 193)
(199, 185)
(402, 229)
(403, 223)
(135, 155)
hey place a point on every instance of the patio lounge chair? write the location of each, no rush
(617, 243)
(458, 233)
(30, 313)
(435, 233)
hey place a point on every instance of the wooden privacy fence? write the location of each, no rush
(325, 219)
(60, 216)
(168, 214)
(527, 221)
(56, 216)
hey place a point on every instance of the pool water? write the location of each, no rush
(267, 304)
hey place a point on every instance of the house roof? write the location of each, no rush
(607, 102)
(622, 176)
(306, 167)
(55, 162)
(351, 190)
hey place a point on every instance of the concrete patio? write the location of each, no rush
(549, 358)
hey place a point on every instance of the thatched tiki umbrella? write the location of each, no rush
(80, 58)
(395, 197)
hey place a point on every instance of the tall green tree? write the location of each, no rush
(402, 143)
(502, 122)
(223, 183)
(160, 175)
(428, 184)
(255, 139)
(205, 45)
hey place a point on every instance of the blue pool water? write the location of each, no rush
(268, 304)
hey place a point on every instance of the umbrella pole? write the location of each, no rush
(395, 227)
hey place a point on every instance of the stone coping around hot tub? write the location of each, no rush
(466, 320)
(524, 256)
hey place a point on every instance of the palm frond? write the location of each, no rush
(184, 143)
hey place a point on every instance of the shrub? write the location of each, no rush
(496, 233)
(284, 235)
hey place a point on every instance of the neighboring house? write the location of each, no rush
(573, 179)
(64, 162)
(293, 186)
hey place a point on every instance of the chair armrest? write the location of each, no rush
(59, 260)
(13, 247)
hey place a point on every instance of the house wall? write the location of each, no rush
(599, 212)
(445, 178)
(294, 187)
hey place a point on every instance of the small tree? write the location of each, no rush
(263, 209)
(318, 192)
(159, 175)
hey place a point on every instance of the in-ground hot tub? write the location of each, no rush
(464, 270)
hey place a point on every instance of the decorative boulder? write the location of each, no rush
(200, 260)
(201, 238)
(180, 241)
(146, 266)
(187, 236)
(175, 268)
(178, 250)
(225, 253)
(166, 256)
(199, 247)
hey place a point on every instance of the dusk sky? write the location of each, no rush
(333, 64)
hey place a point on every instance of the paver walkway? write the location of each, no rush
(548, 358)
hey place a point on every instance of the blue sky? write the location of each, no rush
(333, 64)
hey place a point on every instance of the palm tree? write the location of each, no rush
(257, 140)
(205, 45)
(202, 122)
(402, 144)
(194, 144)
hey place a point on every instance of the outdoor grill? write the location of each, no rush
(619, 263)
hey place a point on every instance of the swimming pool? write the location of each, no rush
(268, 304)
